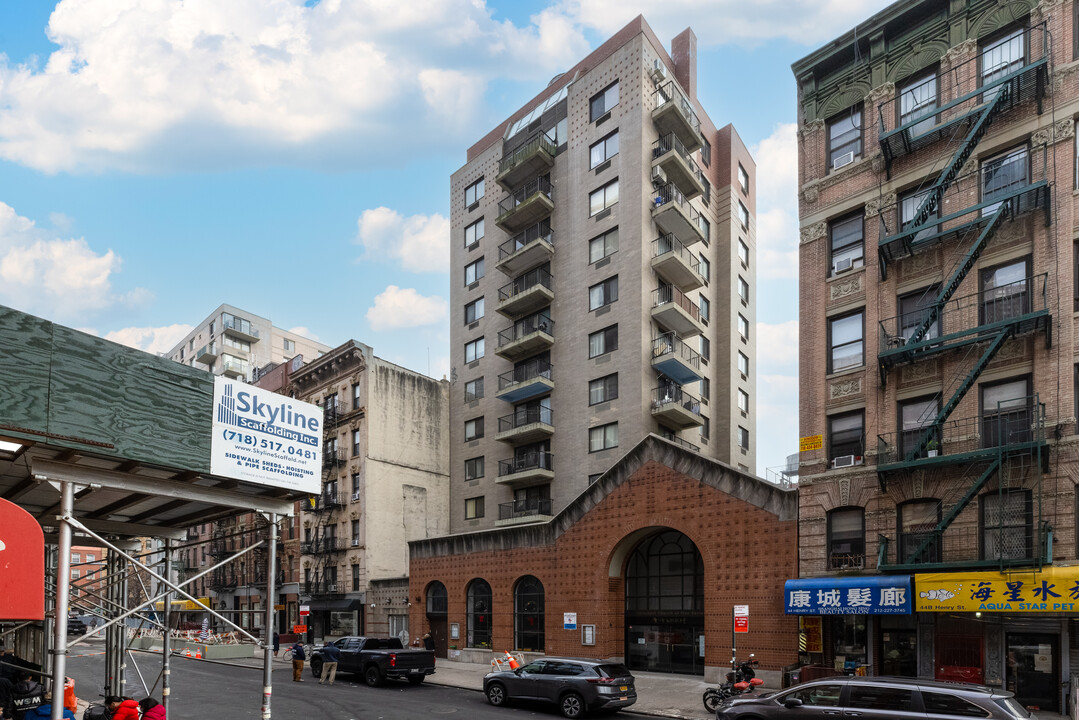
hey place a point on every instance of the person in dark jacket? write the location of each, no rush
(276, 643)
(428, 642)
(151, 709)
(298, 658)
(331, 655)
(44, 711)
(27, 694)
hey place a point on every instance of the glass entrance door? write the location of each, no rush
(670, 648)
(1033, 670)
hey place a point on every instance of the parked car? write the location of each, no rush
(377, 659)
(575, 686)
(876, 698)
(75, 626)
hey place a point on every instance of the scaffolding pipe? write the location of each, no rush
(166, 647)
(63, 590)
(267, 647)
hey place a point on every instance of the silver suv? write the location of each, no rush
(876, 698)
(575, 686)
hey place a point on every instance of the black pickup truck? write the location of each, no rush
(377, 659)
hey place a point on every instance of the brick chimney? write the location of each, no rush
(684, 54)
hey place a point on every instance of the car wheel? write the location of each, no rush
(415, 680)
(373, 676)
(496, 694)
(316, 668)
(571, 705)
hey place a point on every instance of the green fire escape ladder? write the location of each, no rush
(972, 492)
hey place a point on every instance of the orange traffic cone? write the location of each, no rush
(198, 653)
(512, 661)
(187, 652)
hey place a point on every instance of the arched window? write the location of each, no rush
(846, 538)
(528, 614)
(479, 614)
(665, 572)
(436, 599)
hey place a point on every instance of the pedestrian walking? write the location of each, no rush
(331, 655)
(298, 657)
(44, 711)
(276, 643)
(428, 642)
(151, 709)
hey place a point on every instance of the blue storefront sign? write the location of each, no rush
(873, 595)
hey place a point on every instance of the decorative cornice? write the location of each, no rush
(1054, 133)
(1063, 73)
(880, 94)
(810, 127)
(958, 54)
(813, 232)
(872, 207)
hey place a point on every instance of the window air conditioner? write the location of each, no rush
(659, 177)
(355, 542)
(847, 461)
(355, 496)
(843, 265)
(659, 71)
(845, 159)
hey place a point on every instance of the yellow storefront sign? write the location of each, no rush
(1052, 589)
(810, 442)
(183, 605)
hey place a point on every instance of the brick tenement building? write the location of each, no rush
(938, 357)
(651, 557)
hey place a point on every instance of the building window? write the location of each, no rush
(743, 254)
(528, 609)
(473, 271)
(846, 538)
(355, 486)
(355, 533)
(705, 386)
(743, 438)
(705, 228)
(290, 345)
(705, 430)
(743, 401)
(474, 468)
(473, 389)
(915, 416)
(844, 138)
(603, 389)
(474, 350)
(473, 193)
(704, 307)
(743, 327)
(1007, 525)
(473, 429)
(705, 268)
(473, 311)
(743, 179)
(355, 443)
(913, 310)
(594, 477)
(705, 347)
(706, 155)
(1006, 412)
(743, 365)
(75, 574)
(919, 540)
(355, 397)
(602, 102)
(603, 341)
(602, 198)
(603, 150)
(848, 245)
(743, 290)
(1002, 57)
(90, 557)
(76, 558)
(473, 233)
(603, 293)
(908, 212)
(603, 437)
(1002, 175)
(474, 508)
(846, 347)
(918, 99)
(602, 246)
(1004, 292)
(846, 435)
(478, 598)
(355, 577)
(743, 215)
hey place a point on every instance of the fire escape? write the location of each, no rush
(323, 543)
(1007, 440)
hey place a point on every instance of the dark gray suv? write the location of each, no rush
(876, 698)
(575, 686)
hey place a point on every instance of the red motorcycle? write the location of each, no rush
(740, 680)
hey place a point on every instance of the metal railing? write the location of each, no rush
(527, 281)
(327, 501)
(240, 326)
(539, 231)
(334, 409)
(320, 587)
(330, 457)
(535, 186)
(679, 441)
(670, 92)
(524, 508)
(235, 366)
(668, 244)
(531, 370)
(846, 561)
(322, 545)
(535, 460)
(1019, 543)
(525, 416)
(666, 395)
(540, 141)
(670, 194)
(667, 143)
(523, 328)
(669, 344)
(670, 294)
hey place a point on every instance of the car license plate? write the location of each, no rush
(414, 670)
(623, 688)
(624, 697)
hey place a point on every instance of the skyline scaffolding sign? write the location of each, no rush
(265, 438)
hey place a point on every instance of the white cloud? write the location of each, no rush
(62, 279)
(397, 308)
(777, 348)
(304, 332)
(420, 242)
(150, 85)
(777, 410)
(151, 339)
(777, 203)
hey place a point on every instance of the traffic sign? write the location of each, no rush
(305, 610)
(741, 618)
(299, 629)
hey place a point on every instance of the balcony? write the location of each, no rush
(526, 294)
(526, 469)
(526, 337)
(240, 328)
(676, 408)
(675, 216)
(322, 587)
(526, 249)
(223, 582)
(207, 354)
(675, 164)
(676, 312)
(330, 458)
(334, 411)
(675, 359)
(526, 381)
(992, 547)
(222, 548)
(519, 512)
(674, 114)
(673, 262)
(535, 157)
(323, 546)
(326, 502)
(526, 205)
(234, 368)
(525, 425)
(1020, 307)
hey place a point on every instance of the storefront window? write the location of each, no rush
(343, 623)
(899, 645)
(849, 642)
(479, 614)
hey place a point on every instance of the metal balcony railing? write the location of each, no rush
(240, 326)
(667, 143)
(323, 545)
(668, 344)
(321, 587)
(669, 92)
(523, 328)
(527, 281)
(331, 457)
(679, 441)
(1015, 542)
(525, 416)
(524, 508)
(326, 502)
(536, 460)
(671, 294)
(539, 231)
(525, 372)
(669, 244)
(540, 186)
(540, 142)
(674, 394)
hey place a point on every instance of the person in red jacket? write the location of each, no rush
(126, 710)
(151, 709)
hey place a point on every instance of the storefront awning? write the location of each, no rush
(873, 595)
(335, 605)
(1052, 589)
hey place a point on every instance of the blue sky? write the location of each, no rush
(159, 158)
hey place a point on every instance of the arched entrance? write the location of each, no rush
(437, 607)
(665, 605)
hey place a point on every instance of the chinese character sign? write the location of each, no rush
(1052, 589)
(880, 595)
